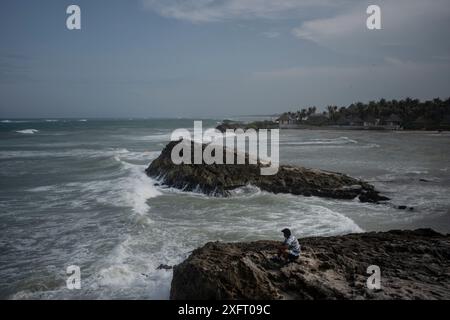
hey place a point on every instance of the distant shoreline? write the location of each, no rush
(268, 124)
(366, 129)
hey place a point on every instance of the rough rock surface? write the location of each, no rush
(219, 179)
(414, 265)
(256, 125)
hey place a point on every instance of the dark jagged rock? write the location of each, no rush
(164, 267)
(413, 265)
(219, 179)
(405, 208)
(370, 196)
(233, 125)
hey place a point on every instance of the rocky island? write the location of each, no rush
(256, 125)
(220, 179)
(413, 265)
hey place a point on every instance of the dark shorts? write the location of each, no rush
(292, 257)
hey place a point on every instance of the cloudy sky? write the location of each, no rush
(216, 58)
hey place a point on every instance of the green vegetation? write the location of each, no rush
(408, 114)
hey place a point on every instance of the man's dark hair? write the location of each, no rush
(286, 232)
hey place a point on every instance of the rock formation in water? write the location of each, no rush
(413, 265)
(219, 179)
(256, 125)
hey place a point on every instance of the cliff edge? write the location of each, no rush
(413, 265)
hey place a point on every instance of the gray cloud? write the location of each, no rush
(408, 24)
(201, 11)
(392, 78)
(271, 34)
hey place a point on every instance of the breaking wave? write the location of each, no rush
(336, 141)
(28, 131)
(14, 121)
(131, 189)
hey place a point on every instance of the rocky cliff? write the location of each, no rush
(219, 179)
(413, 265)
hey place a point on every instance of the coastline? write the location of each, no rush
(270, 124)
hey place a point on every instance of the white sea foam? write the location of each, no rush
(10, 154)
(132, 188)
(164, 137)
(308, 215)
(336, 223)
(439, 134)
(133, 263)
(140, 156)
(14, 121)
(119, 153)
(312, 142)
(28, 131)
(246, 191)
(230, 134)
(42, 188)
(140, 191)
(137, 187)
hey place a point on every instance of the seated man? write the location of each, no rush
(290, 249)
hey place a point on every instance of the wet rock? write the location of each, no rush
(256, 125)
(220, 179)
(414, 265)
(164, 267)
(371, 196)
(405, 208)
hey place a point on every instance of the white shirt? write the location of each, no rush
(293, 245)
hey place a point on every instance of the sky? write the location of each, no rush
(217, 58)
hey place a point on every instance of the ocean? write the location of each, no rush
(74, 192)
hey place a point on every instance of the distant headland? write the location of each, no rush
(406, 114)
